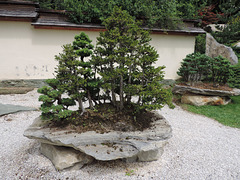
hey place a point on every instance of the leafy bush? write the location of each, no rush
(199, 67)
(161, 13)
(208, 16)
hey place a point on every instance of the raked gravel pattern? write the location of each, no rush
(200, 148)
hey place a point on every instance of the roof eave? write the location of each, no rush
(93, 27)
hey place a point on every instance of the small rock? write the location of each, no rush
(65, 157)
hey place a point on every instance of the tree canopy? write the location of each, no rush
(123, 58)
(160, 13)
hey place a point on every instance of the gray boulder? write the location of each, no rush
(214, 49)
(144, 145)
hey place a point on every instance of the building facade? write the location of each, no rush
(30, 38)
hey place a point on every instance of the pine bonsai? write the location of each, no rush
(194, 67)
(199, 67)
(75, 77)
(125, 60)
(54, 106)
(129, 81)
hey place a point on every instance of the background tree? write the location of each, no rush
(161, 13)
(124, 58)
(230, 9)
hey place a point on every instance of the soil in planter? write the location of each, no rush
(106, 118)
(208, 85)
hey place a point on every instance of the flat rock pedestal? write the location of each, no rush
(201, 97)
(73, 150)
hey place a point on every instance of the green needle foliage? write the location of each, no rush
(199, 67)
(74, 77)
(194, 67)
(124, 58)
(83, 49)
(125, 61)
(54, 107)
(160, 13)
(234, 80)
(69, 73)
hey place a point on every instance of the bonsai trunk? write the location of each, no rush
(90, 100)
(121, 93)
(129, 82)
(114, 101)
(81, 106)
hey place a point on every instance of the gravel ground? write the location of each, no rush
(200, 148)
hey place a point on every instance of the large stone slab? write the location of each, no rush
(10, 108)
(198, 100)
(214, 49)
(178, 89)
(144, 145)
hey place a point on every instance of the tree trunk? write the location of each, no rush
(121, 93)
(129, 83)
(90, 100)
(114, 101)
(81, 106)
(139, 100)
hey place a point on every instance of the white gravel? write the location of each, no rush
(200, 148)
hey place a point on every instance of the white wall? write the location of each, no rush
(28, 53)
(172, 49)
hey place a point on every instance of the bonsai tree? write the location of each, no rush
(125, 60)
(199, 67)
(54, 106)
(83, 48)
(74, 76)
(75, 72)
(195, 67)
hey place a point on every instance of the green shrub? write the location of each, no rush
(75, 77)
(220, 70)
(194, 67)
(161, 13)
(199, 67)
(200, 44)
(234, 80)
(54, 107)
(228, 34)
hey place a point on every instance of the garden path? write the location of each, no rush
(200, 148)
